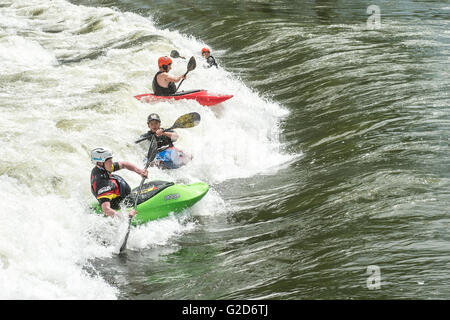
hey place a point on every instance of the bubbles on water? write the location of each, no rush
(43, 247)
(160, 232)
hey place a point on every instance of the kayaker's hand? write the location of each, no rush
(159, 132)
(143, 173)
(132, 213)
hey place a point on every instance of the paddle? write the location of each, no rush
(187, 120)
(152, 151)
(175, 54)
(191, 66)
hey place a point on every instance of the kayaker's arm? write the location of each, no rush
(171, 134)
(132, 167)
(168, 78)
(108, 211)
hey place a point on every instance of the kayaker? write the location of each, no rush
(163, 83)
(209, 58)
(168, 156)
(163, 138)
(110, 189)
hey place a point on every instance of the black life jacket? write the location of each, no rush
(108, 188)
(161, 91)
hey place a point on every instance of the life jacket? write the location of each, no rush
(212, 62)
(108, 188)
(161, 91)
(161, 140)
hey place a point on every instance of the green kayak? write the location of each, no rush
(159, 198)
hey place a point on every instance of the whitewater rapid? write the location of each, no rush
(67, 81)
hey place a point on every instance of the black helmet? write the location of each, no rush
(153, 116)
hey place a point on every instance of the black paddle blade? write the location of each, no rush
(174, 54)
(187, 120)
(152, 150)
(191, 64)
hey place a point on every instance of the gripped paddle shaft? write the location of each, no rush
(191, 66)
(152, 151)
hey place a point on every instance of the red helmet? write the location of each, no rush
(205, 50)
(164, 61)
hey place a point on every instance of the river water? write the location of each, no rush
(328, 168)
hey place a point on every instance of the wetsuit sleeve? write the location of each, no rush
(166, 140)
(143, 137)
(163, 140)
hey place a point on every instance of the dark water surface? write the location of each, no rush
(369, 114)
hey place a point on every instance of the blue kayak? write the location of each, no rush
(171, 158)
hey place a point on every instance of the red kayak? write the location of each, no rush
(202, 97)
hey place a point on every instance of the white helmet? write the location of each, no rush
(100, 155)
